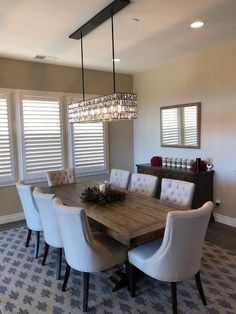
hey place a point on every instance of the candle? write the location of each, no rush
(102, 187)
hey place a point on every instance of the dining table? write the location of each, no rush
(135, 220)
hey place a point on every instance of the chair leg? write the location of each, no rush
(86, 290)
(131, 280)
(174, 297)
(46, 248)
(67, 274)
(58, 267)
(36, 247)
(28, 237)
(200, 289)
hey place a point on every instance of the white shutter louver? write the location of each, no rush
(42, 137)
(89, 146)
(6, 171)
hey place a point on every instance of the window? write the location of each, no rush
(6, 156)
(89, 147)
(41, 136)
(46, 141)
(180, 126)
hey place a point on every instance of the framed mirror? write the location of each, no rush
(180, 125)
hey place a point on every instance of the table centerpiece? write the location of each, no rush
(102, 194)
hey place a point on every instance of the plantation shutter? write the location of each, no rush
(42, 137)
(6, 165)
(190, 125)
(170, 127)
(89, 146)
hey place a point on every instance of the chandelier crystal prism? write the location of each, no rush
(116, 106)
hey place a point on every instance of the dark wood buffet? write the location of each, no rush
(203, 180)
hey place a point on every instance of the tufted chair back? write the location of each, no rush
(60, 177)
(119, 178)
(144, 184)
(32, 217)
(177, 191)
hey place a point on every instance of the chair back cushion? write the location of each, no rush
(179, 255)
(60, 177)
(48, 216)
(31, 213)
(144, 184)
(120, 178)
(177, 191)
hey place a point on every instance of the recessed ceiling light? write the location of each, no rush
(197, 24)
(47, 58)
(41, 57)
(116, 60)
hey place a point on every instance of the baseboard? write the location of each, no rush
(11, 218)
(225, 220)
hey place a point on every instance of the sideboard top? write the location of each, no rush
(175, 169)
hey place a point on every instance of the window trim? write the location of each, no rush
(180, 125)
(10, 108)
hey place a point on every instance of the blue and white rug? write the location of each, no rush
(26, 287)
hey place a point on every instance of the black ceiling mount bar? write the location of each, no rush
(113, 54)
(99, 18)
(82, 63)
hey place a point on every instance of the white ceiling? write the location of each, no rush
(162, 35)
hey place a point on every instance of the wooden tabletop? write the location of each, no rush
(136, 220)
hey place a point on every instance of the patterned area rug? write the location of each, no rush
(26, 287)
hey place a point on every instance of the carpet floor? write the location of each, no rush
(27, 287)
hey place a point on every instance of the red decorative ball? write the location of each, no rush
(203, 166)
(156, 161)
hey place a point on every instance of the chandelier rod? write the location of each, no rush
(82, 65)
(113, 53)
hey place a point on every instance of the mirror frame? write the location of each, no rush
(198, 105)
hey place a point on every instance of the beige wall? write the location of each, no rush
(18, 74)
(40, 76)
(210, 78)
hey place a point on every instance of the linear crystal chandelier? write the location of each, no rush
(116, 106)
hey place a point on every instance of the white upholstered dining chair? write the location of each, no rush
(145, 184)
(178, 256)
(177, 191)
(119, 178)
(60, 177)
(51, 229)
(31, 213)
(85, 251)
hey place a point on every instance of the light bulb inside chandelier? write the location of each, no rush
(116, 106)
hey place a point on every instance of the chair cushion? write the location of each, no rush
(60, 177)
(145, 184)
(138, 255)
(177, 191)
(119, 178)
